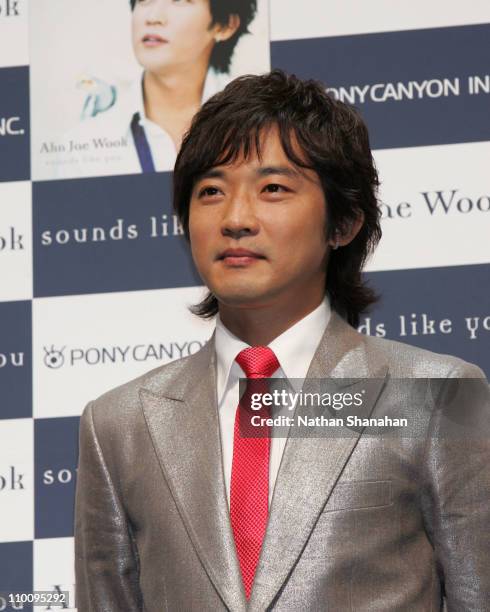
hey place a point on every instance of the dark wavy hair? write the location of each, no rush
(334, 142)
(221, 11)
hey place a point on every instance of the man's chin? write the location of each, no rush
(242, 300)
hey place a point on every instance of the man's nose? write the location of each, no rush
(157, 12)
(239, 218)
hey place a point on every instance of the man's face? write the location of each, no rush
(257, 229)
(171, 33)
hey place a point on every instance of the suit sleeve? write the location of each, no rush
(457, 491)
(106, 561)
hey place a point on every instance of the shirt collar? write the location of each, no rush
(294, 348)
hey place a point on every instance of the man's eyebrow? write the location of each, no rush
(211, 173)
(262, 171)
(281, 170)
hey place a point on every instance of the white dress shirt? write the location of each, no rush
(294, 350)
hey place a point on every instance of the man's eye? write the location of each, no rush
(275, 188)
(209, 191)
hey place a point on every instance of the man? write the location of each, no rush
(177, 510)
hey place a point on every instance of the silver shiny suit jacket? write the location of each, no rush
(357, 523)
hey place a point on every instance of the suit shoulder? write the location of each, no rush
(122, 402)
(411, 361)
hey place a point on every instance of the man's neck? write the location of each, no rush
(259, 326)
(173, 92)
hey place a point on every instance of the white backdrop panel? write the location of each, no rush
(14, 33)
(17, 480)
(15, 241)
(437, 198)
(292, 20)
(84, 345)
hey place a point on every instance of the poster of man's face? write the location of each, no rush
(115, 83)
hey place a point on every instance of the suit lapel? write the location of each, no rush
(184, 427)
(311, 466)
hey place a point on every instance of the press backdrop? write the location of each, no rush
(79, 315)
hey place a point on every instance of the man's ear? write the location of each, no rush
(345, 235)
(225, 32)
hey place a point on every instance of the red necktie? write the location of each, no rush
(249, 490)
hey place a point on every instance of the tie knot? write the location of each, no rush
(258, 361)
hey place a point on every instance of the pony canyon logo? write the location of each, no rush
(56, 357)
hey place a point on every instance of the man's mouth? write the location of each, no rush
(153, 40)
(239, 257)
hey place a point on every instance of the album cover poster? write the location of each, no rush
(115, 83)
